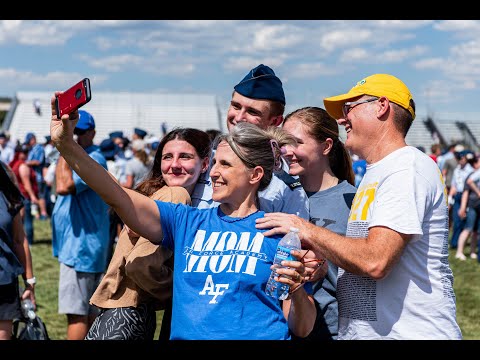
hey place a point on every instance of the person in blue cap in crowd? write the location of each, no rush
(120, 158)
(80, 235)
(116, 135)
(259, 99)
(109, 149)
(138, 134)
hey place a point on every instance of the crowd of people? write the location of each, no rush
(190, 224)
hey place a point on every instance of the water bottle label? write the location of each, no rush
(283, 253)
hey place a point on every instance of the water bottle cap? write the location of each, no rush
(31, 314)
(294, 229)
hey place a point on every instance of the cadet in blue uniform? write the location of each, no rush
(259, 99)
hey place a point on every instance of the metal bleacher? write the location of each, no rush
(419, 135)
(122, 111)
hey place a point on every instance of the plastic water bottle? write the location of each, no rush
(290, 241)
(34, 210)
(28, 309)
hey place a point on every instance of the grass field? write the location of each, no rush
(46, 269)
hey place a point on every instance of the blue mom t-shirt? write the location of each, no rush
(222, 265)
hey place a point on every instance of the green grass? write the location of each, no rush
(46, 269)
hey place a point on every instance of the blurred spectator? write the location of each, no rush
(435, 152)
(51, 152)
(37, 106)
(359, 169)
(109, 150)
(119, 171)
(51, 157)
(6, 151)
(80, 235)
(120, 158)
(164, 128)
(470, 211)
(27, 183)
(138, 134)
(449, 163)
(150, 143)
(117, 137)
(137, 167)
(460, 174)
(36, 160)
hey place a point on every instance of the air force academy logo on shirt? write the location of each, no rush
(223, 252)
(213, 289)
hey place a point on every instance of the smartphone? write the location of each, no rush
(73, 98)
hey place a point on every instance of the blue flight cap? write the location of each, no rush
(154, 145)
(29, 137)
(261, 83)
(140, 132)
(85, 121)
(116, 134)
(109, 149)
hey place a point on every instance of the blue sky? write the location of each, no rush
(437, 59)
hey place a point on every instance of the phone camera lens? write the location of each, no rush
(78, 93)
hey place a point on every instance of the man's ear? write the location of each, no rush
(277, 120)
(257, 174)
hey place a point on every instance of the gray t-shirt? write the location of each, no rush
(330, 209)
(138, 169)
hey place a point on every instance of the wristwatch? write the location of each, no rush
(31, 281)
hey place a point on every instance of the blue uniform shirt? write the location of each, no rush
(80, 225)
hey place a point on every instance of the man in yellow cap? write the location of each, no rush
(394, 279)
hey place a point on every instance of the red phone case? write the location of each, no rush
(73, 98)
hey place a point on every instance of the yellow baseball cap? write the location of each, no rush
(375, 85)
